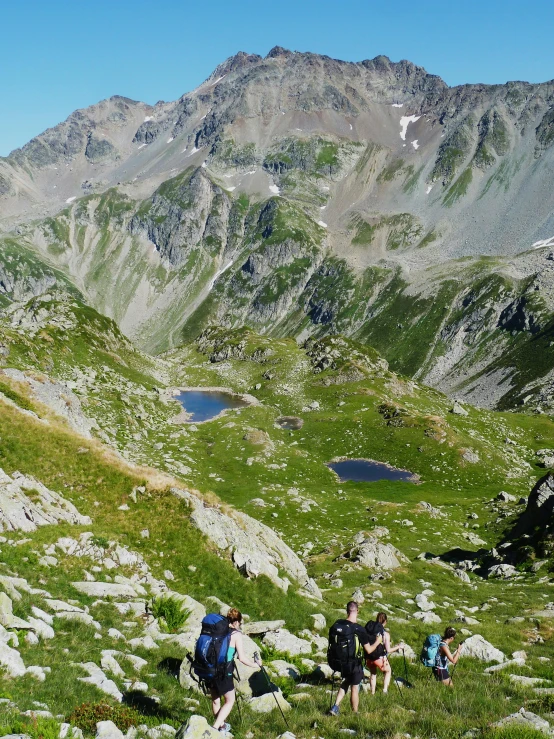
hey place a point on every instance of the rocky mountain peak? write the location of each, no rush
(239, 61)
(278, 51)
(67, 139)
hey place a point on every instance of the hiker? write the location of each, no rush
(223, 687)
(347, 635)
(379, 658)
(444, 656)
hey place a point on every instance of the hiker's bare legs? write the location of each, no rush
(448, 683)
(355, 697)
(225, 710)
(387, 673)
(373, 683)
(340, 696)
(216, 702)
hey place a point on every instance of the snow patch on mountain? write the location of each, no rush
(543, 243)
(405, 122)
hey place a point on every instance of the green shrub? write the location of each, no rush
(170, 613)
(87, 715)
(35, 727)
(100, 541)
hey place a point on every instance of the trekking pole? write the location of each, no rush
(201, 683)
(405, 668)
(393, 677)
(456, 665)
(264, 672)
(332, 688)
(239, 696)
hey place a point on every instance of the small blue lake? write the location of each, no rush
(366, 470)
(203, 405)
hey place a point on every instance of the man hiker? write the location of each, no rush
(379, 657)
(444, 656)
(351, 670)
(223, 687)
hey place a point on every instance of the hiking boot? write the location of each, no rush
(225, 729)
(334, 711)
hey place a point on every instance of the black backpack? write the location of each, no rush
(344, 646)
(210, 654)
(374, 628)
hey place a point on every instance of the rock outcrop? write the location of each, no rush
(369, 551)
(526, 719)
(540, 508)
(60, 398)
(254, 547)
(26, 504)
(478, 647)
(197, 728)
(283, 641)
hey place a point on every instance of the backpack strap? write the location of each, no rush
(439, 655)
(359, 649)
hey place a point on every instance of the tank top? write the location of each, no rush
(231, 651)
(441, 660)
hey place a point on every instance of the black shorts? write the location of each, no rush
(221, 685)
(441, 673)
(352, 677)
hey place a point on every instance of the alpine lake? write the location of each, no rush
(204, 405)
(367, 470)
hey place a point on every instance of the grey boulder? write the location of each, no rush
(197, 728)
(478, 647)
(374, 554)
(268, 702)
(526, 719)
(501, 572)
(283, 641)
(108, 730)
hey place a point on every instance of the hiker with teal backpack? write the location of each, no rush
(347, 641)
(214, 662)
(437, 655)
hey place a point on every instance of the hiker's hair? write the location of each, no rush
(234, 615)
(381, 618)
(449, 633)
(351, 606)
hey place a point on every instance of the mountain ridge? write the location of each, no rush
(301, 195)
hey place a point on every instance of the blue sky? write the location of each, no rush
(59, 55)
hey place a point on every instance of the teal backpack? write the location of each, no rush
(430, 649)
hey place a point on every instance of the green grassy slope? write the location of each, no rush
(352, 406)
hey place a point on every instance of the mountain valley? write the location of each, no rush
(363, 256)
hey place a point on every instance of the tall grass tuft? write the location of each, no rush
(170, 613)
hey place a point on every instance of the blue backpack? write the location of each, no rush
(210, 654)
(430, 650)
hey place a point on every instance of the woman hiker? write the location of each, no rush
(379, 658)
(444, 656)
(224, 687)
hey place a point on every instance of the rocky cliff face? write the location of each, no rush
(304, 195)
